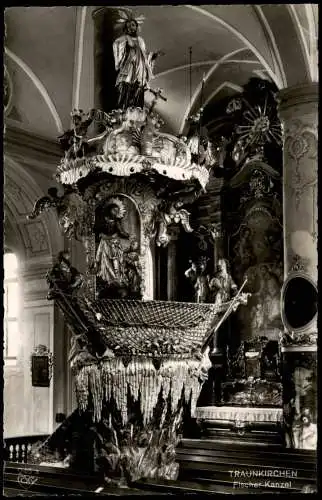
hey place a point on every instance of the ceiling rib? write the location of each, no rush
(40, 87)
(276, 52)
(205, 79)
(294, 16)
(313, 42)
(204, 63)
(231, 85)
(241, 37)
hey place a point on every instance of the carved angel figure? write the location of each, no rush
(134, 65)
(79, 354)
(63, 277)
(74, 141)
(172, 214)
(133, 269)
(198, 141)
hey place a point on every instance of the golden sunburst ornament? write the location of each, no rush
(262, 126)
(120, 205)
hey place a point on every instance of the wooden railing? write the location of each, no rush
(16, 449)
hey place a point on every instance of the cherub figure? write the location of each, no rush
(133, 269)
(172, 214)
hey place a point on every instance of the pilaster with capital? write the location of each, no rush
(298, 111)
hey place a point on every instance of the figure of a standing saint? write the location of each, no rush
(109, 264)
(134, 65)
(197, 274)
(222, 286)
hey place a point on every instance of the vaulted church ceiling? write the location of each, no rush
(49, 55)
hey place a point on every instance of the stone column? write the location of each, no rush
(298, 111)
(106, 31)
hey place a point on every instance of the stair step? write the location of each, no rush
(224, 458)
(219, 466)
(212, 463)
(250, 451)
(237, 447)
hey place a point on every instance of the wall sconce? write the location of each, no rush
(41, 366)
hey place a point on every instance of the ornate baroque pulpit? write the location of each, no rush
(138, 362)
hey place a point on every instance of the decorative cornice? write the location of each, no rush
(24, 145)
(298, 95)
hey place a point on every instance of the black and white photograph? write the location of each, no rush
(160, 249)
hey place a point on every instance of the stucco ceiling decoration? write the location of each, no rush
(53, 47)
(20, 193)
